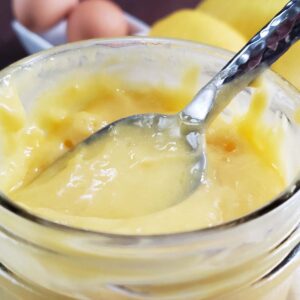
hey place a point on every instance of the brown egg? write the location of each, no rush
(40, 15)
(96, 18)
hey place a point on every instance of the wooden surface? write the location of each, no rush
(10, 48)
(147, 10)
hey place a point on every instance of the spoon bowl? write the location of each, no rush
(165, 129)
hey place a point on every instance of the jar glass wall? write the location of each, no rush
(250, 258)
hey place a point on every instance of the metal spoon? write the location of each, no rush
(258, 54)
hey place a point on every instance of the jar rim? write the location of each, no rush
(24, 213)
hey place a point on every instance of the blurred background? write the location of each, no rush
(147, 10)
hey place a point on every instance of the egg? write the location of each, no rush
(40, 15)
(96, 18)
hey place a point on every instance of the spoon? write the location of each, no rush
(189, 125)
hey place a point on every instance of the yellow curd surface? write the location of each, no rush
(117, 188)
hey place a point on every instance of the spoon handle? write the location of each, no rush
(258, 54)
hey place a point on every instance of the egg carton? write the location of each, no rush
(57, 35)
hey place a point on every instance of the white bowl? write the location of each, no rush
(33, 42)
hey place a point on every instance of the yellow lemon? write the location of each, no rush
(248, 17)
(198, 26)
(288, 66)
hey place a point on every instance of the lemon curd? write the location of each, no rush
(113, 188)
(52, 101)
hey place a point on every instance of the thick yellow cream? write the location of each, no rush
(129, 172)
(96, 193)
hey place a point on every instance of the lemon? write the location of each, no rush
(248, 17)
(197, 26)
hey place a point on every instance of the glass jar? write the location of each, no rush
(253, 257)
